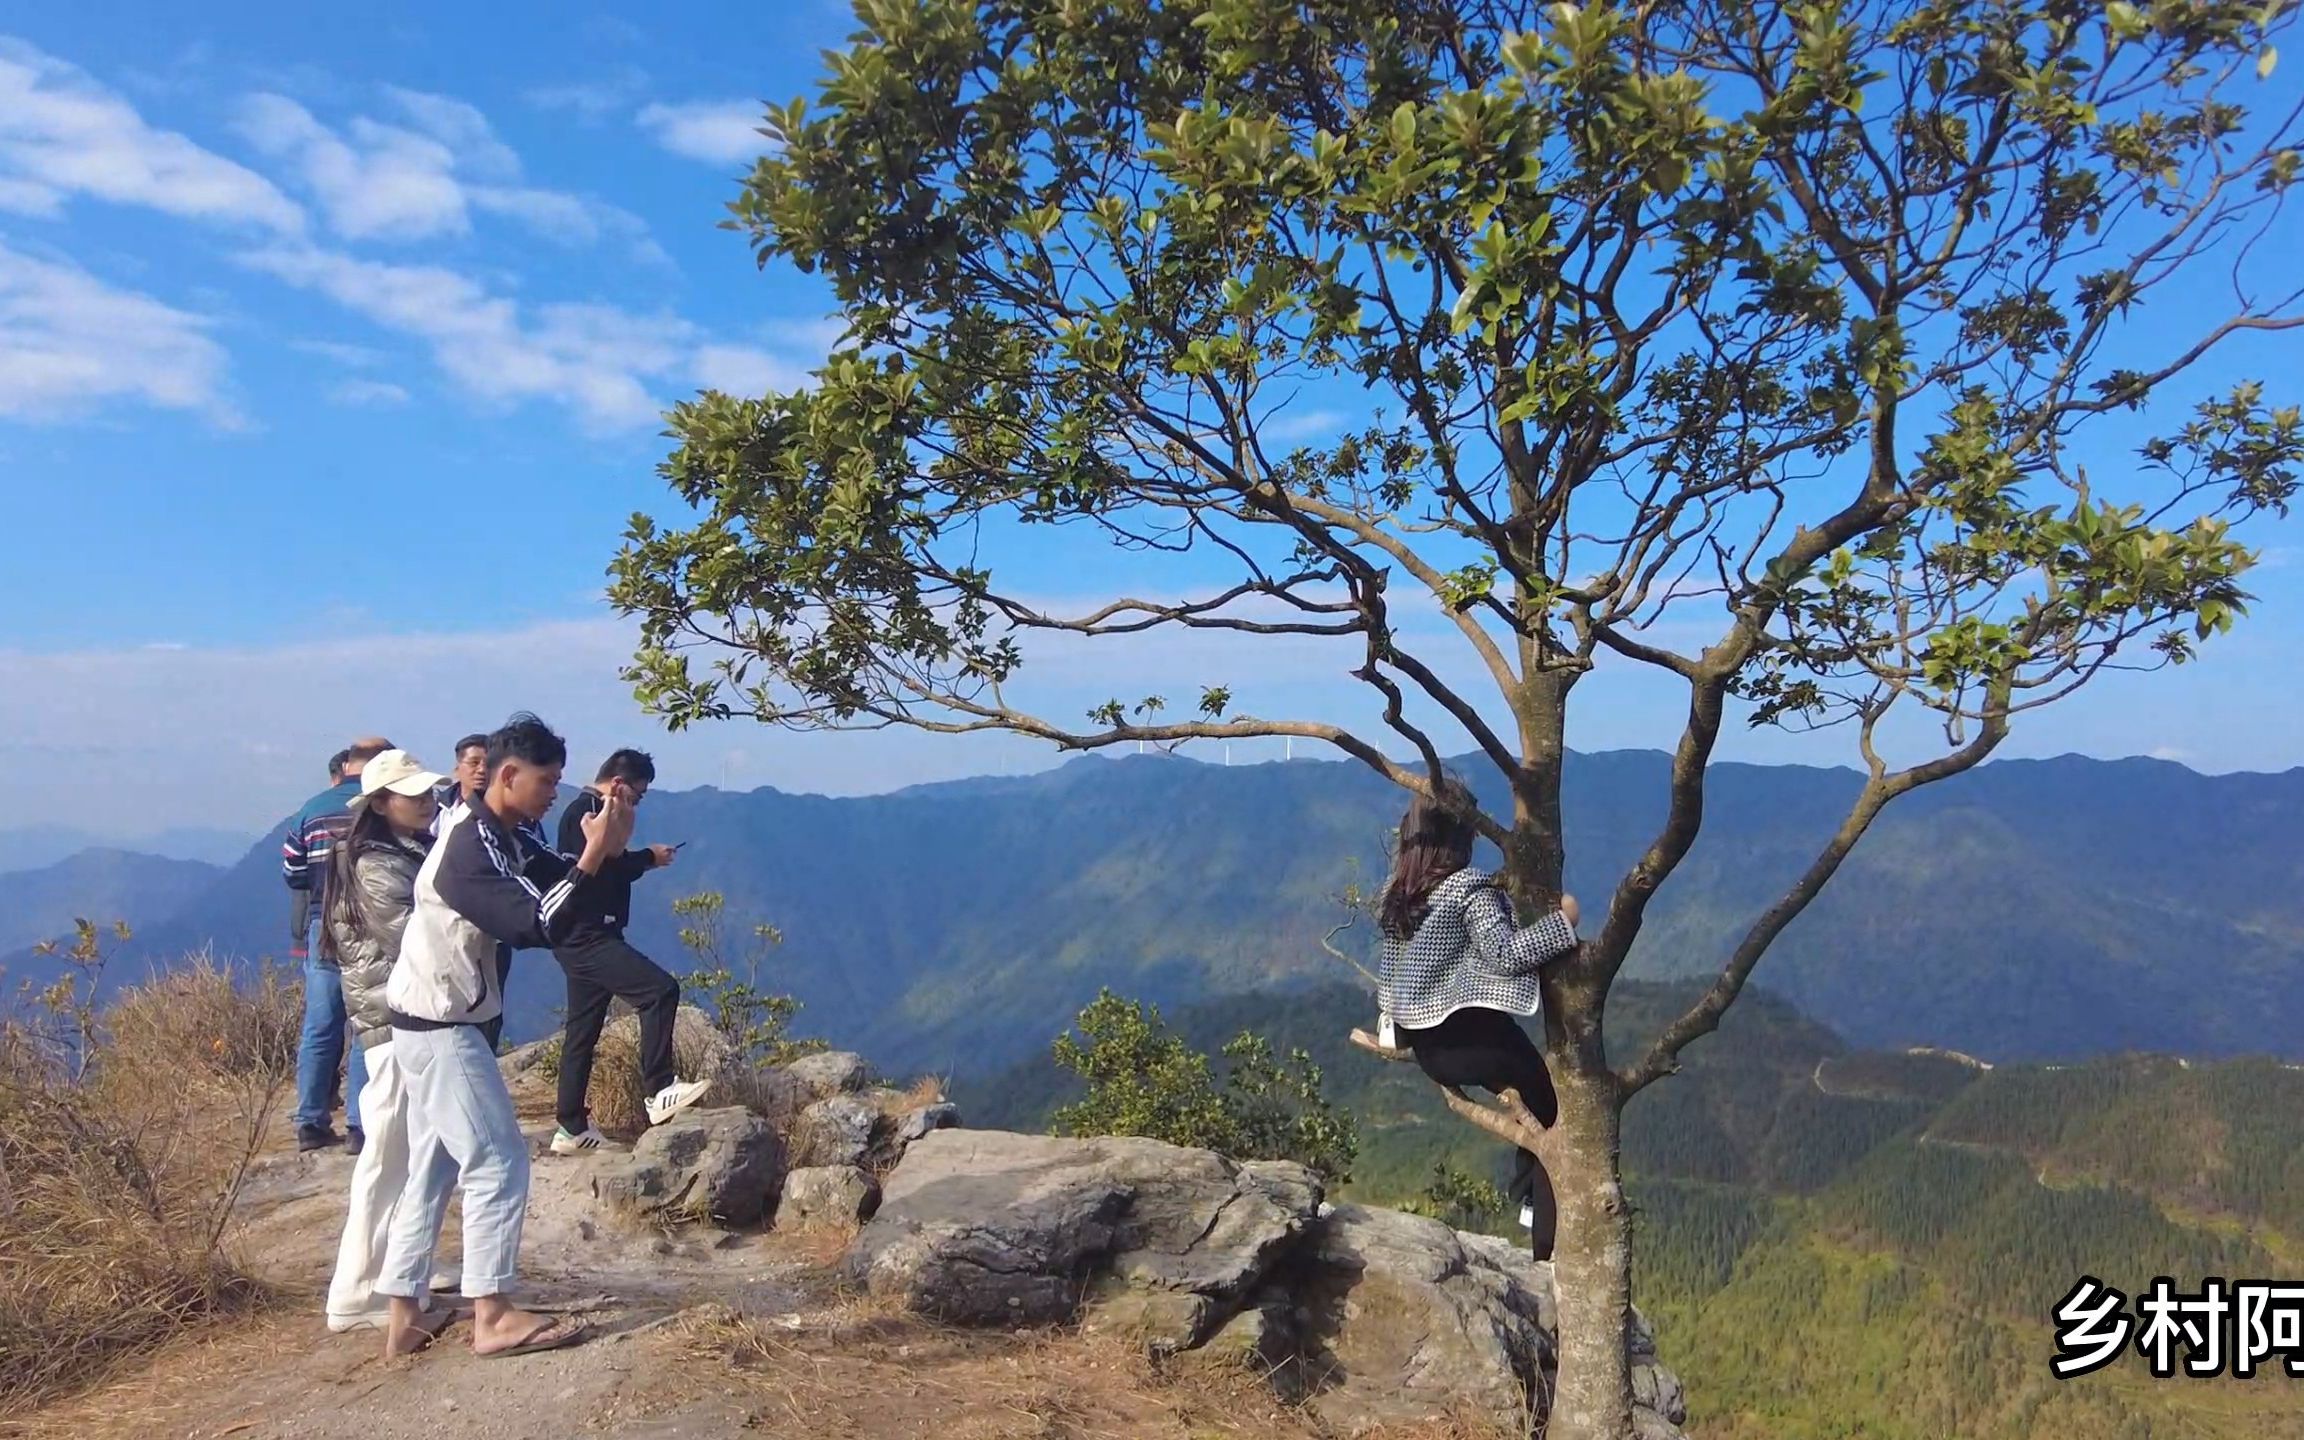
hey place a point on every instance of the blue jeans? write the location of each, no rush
(457, 1106)
(321, 1049)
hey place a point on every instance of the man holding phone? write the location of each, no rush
(602, 966)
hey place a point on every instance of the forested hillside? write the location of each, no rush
(1841, 1243)
(2044, 910)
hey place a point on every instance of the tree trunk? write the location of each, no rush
(1591, 1263)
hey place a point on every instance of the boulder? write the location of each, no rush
(782, 1092)
(1658, 1389)
(726, 1163)
(1260, 1339)
(828, 1072)
(826, 1197)
(912, 1124)
(987, 1227)
(841, 1130)
(522, 1059)
(1401, 1320)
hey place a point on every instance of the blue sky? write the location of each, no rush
(332, 346)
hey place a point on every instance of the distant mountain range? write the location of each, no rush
(100, 885)
(35, 847)
(2030, 910)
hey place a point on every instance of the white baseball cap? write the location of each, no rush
(399, 772)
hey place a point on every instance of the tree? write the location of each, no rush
(1810, 328)
(1143, 1079)
(757, 1025)
(1459, 1199)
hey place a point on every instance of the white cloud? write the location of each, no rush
(720, 132)
(1294, 427)
(357, 356)
(384, 184)
(69, 343)
(592, 101)
(604, 363)
(376, 181)
(62, 134)
(595, 359)
(461, 127)
(747, 370)
(29, 197)
(370, 394)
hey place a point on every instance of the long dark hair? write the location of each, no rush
(371, 829)
(1436, 838)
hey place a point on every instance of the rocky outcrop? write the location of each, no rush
(1370, 1317)
(1400, 1319)
(837, 1131)
(986, 1227)
(826, 1197)
(868, 1130)
(726, 1164)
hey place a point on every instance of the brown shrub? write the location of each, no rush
(115, 1188)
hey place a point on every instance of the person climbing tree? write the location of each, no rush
(1457, 970)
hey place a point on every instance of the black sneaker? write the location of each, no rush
(315, 1137)
(353, 1140)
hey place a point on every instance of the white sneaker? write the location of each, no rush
(590, 1138)
(674, 1098)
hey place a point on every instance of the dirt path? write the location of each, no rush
(283, 1374)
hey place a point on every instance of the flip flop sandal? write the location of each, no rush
(551, 1335)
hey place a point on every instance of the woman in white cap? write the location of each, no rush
(369, 889)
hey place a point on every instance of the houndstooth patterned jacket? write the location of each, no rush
(1468, 954)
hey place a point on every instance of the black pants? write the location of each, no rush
(600, 969)
(1488, 1049)
(492, 1031)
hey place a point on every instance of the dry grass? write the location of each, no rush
(116, 1184)
(614, 1097)
(863, 1369)
(927, 1090)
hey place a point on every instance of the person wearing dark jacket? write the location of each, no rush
(485, 881)
(602, 966)
(304, 856)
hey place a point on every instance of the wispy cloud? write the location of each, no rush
(461, 127)
(382, 183)
(605, 364)
(1296, 426)
(368, 394)
(593, 100)
(64, 135)
(376, 181)
(594, 359)
(356, 356)
(719, 132)
(747, 370)
(70, 343)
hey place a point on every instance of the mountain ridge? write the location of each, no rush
(2034, 909)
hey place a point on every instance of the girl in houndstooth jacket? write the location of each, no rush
(1457, 972)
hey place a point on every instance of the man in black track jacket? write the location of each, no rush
(601, 966)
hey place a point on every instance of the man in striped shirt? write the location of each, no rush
(311, 838)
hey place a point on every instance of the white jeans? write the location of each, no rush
(378, 1177)
(458, 1111)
